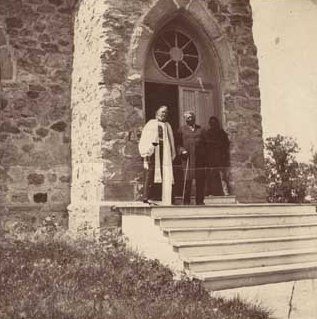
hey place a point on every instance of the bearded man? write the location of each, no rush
(157, 149)
(191, 145)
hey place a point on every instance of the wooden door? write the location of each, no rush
(199, 101)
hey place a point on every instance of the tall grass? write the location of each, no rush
(57, 277)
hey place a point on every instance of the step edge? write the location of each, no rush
(247, 256)
(225, 216)
(237, 205)
(183, 229)
(258, 270)
(241, 241)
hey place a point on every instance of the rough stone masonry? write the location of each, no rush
(36, 47)
(72, 99)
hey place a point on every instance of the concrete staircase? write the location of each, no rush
(235, 245)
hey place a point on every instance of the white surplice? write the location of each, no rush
(150, 135)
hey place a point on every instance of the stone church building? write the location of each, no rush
(79, 79)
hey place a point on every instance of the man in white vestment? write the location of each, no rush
(157, 149)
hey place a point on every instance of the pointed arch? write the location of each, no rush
(160, 13)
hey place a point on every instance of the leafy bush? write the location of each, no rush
(57, 277)
(286, 178)
(289, 181)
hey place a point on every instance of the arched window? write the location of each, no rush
(175, 54)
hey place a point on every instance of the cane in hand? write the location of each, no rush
(185, 178)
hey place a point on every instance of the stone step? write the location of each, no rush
(208, 233)
(227, 279)
(209, 200)
(249, 260)
(230, 209)
(224, 247)
(234, 245)
(201, 220)
(220, 200)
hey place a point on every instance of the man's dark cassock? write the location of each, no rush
(218, 160)
(192, 139)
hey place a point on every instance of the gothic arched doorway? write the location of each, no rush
(181, 72)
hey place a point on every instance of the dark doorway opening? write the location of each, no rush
(157, 95)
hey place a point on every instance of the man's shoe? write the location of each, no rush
(149, 203)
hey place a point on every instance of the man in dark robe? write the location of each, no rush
(218, 159)
(191, 147)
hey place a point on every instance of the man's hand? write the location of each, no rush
(184, 154)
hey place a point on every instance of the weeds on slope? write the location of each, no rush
(49, 275)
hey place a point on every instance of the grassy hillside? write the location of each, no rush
(47, 275)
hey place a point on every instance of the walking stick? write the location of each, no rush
(186, 170)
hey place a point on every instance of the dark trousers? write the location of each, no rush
(148, 181)
(200, 185)
(151, 190)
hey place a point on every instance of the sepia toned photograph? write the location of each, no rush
(158, 159)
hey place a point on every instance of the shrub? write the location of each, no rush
(286, 178)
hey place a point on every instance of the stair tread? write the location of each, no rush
(250, 255)
(195, 229)
(256, 270)
(237, 205)
(240, 241)
(224, 216)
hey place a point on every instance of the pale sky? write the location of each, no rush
(285, 33)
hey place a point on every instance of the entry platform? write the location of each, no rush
(227, 245)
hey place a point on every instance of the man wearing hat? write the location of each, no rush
(191, 146)
(157, 148)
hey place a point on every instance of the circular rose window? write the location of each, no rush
(175, 54)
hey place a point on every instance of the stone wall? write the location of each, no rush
(129, 29)
(108, 107)
(111, 41)
(122, 110)
(241, 101)
(36, 60)
(87, 87)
